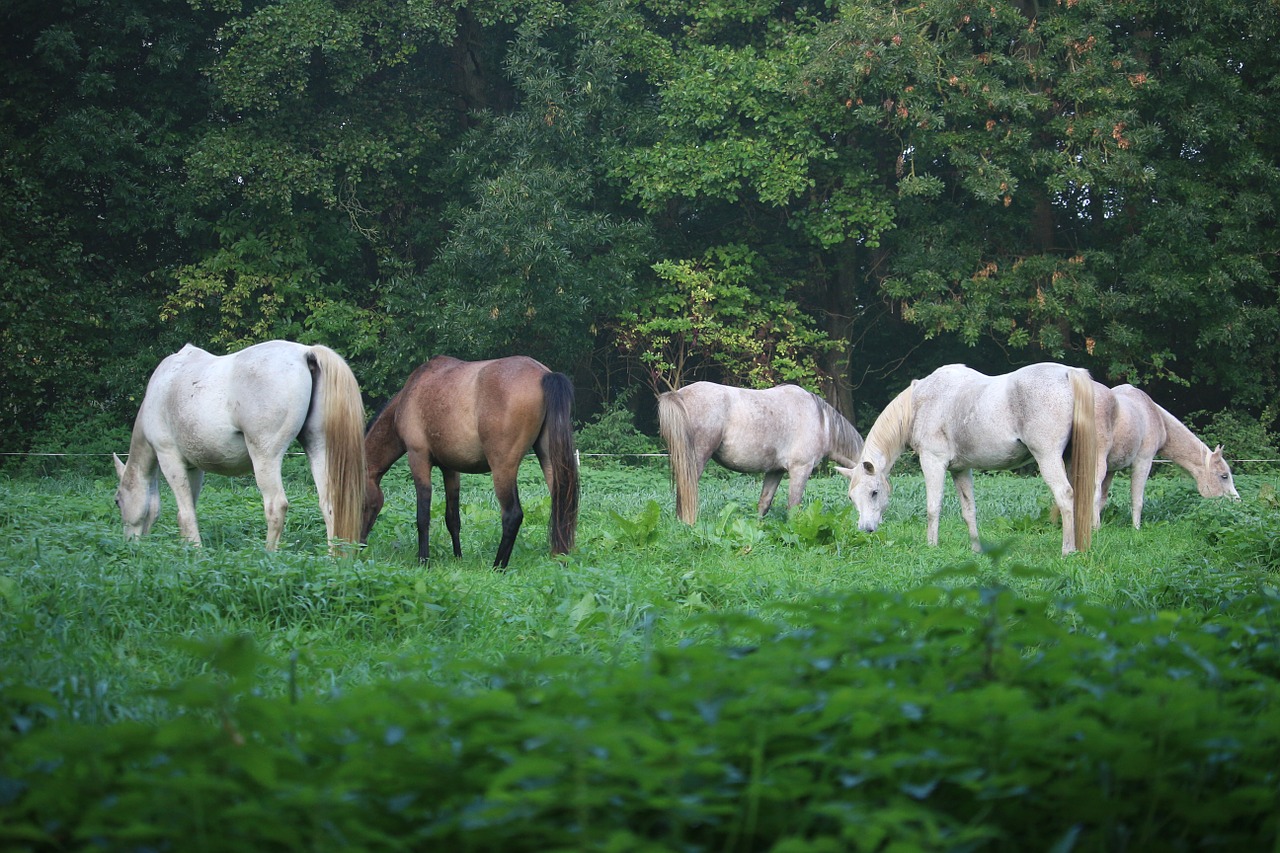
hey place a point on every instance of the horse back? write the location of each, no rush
(751, 430)
(1139, 427)
(980, 421)
(465, 414)
(201, 406)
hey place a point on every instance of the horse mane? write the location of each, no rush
(841, 433)
(892, 429)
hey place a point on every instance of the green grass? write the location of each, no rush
(95, 618)
(735, 685)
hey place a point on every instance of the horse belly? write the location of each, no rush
(200, 438)
(747, 460)
(988, 453)
(225, 453)
(766, 433)
(460, 453)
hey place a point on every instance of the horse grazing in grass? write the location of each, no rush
(473, 417)
(781, 430)
(1139, 430)
(957, 419)
(237, 413)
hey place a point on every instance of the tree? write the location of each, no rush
(540, 250)
(712, 315)
(101, 99)
(1063, 189)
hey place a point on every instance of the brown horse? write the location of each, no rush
(475, 417)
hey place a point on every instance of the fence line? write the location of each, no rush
(602, 455)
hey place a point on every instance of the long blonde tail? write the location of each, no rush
(1084, 456)
(673, 426)
(342, 420)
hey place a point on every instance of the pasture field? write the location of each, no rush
(790, 684)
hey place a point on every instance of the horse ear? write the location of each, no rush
(868, 467)
(848, 472)
(119, 466)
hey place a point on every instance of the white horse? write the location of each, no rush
(957, 419)
(1138, 431)
(238, 413)
(781, 430)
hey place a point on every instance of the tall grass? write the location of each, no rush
(789, 683)
(98, 621)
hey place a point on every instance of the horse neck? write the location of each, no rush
(382, 442)
(142, 466)
(1181, 445)
(842, 437)
(890, 433)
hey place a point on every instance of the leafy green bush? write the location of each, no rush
(613, 431)
(1242, 437)
(933, 720)
(785, 683)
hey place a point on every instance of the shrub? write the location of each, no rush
(937, 719)
(613, 432)
(1241, 436)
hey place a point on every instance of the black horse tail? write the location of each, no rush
(561, 461)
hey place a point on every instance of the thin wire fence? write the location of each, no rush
(51, 454)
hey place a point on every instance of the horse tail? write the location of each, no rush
(673, 426)
(562, 461)
(342, 422)
(1084, 455)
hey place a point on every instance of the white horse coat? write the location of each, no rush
(784, 430)
(1137, 432)
(239, 413)
(957, 419)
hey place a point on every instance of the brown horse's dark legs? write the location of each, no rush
(452, 511)
(423, 491)
(512, 516)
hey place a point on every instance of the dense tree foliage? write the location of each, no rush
(885, 187)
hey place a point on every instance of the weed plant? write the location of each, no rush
(738, 684)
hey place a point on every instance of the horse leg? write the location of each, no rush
(797, 479)
(318, 460)
(1138, 489)
(1104, 489)
(504, 487)
(185, 483)
(1055, 475)
(1102, 483)
(935, 471)
(373, 501)
(968, 506)
(771, 481)
(275, 505)
(420, 470)
(452, 511)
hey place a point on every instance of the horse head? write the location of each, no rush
(869, 490)
(1214, 480)
(137, 499)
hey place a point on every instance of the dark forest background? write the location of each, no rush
(639, 194)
